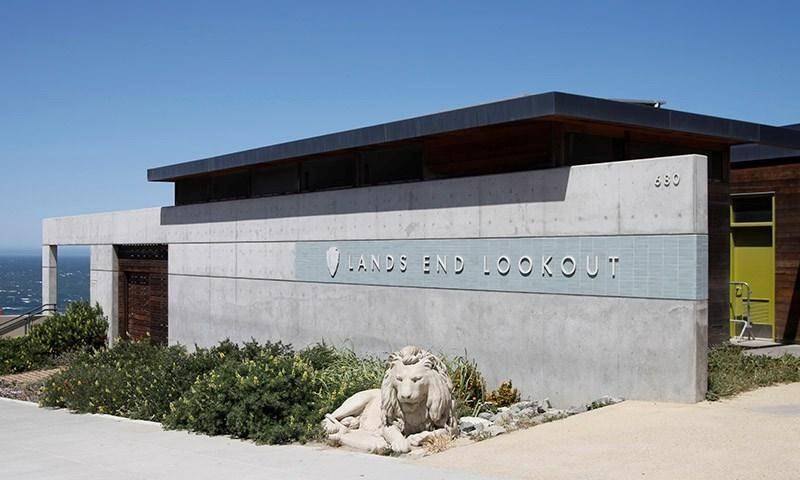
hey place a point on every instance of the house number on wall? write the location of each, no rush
(667, 180)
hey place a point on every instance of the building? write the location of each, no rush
(765, 239)
(575, 245)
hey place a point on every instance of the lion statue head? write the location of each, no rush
(416, 392)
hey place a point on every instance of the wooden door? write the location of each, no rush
(143, 293)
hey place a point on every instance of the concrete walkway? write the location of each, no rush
(37, 444)
(775, 352)
(755, 435)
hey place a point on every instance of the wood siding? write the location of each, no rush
(782, 178)
(718, 261)
(143, 300)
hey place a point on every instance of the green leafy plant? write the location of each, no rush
(80, 327)
(730, 371)
(268, 399)
(469, 387)
(264, 392)
(16, 355)
(132, 379)
(343, 375)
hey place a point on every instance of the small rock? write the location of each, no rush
(504, 418)
(495, 430)
(473, 425)
(576, 410)
(524, 404)
(486, 415)
(554, 414)
(529, 412)
(502, 409)
(603, 401)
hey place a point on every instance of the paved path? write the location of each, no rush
(27, 378)
(775, 352)
(37, 444)
(753, 436)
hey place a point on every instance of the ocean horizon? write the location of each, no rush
(21, 280)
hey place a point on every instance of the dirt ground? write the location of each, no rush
(755, 435)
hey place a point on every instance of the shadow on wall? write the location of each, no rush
(792, 319)
(509, 188)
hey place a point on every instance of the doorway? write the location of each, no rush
(753, 262)
(143, 292)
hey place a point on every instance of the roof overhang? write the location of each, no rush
(754, 152)
(552, 105)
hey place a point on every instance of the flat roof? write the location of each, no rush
(551, 105)
(754, 152)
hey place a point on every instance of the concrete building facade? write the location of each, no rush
(535, 234)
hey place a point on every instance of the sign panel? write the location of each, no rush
(646, 266)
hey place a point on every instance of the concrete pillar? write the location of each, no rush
(49, 274)
(104, 285)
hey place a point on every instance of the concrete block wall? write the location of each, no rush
(233, 273)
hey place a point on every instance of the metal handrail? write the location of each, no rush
(747, 324)
(25, 319)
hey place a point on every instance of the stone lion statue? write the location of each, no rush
(414, 402)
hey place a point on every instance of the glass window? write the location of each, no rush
(752, 208)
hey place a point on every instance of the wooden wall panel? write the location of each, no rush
(783, 178)
(718, 261)
(143, 299)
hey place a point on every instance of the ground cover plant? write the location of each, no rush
(731, 372)
(266, 392)
(80, 327)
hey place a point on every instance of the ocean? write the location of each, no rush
(21, 281)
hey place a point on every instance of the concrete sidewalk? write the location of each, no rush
(39, 444)
(753, 436)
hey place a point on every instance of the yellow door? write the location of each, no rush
(753, 262)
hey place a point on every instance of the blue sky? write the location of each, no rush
(94, 93)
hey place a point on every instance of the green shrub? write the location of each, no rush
(469, 387)
(132, 379)
(263, 392)
(16, 355)
(80, 327)
(268, 398)
(343, 374)
(730, 371)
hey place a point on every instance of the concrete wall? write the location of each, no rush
(104, 284)
(235, 272)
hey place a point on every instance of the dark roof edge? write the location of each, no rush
(504, 111)
(753, 152)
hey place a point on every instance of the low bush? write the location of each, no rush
(16, 355)
(264, 392)
(469, 387)
(268, 399)
(504, 396)
(80, 327)
(730, 371)
(343, 374)
(132, 379)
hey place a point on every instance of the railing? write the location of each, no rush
(745, 318)
(26, 319)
